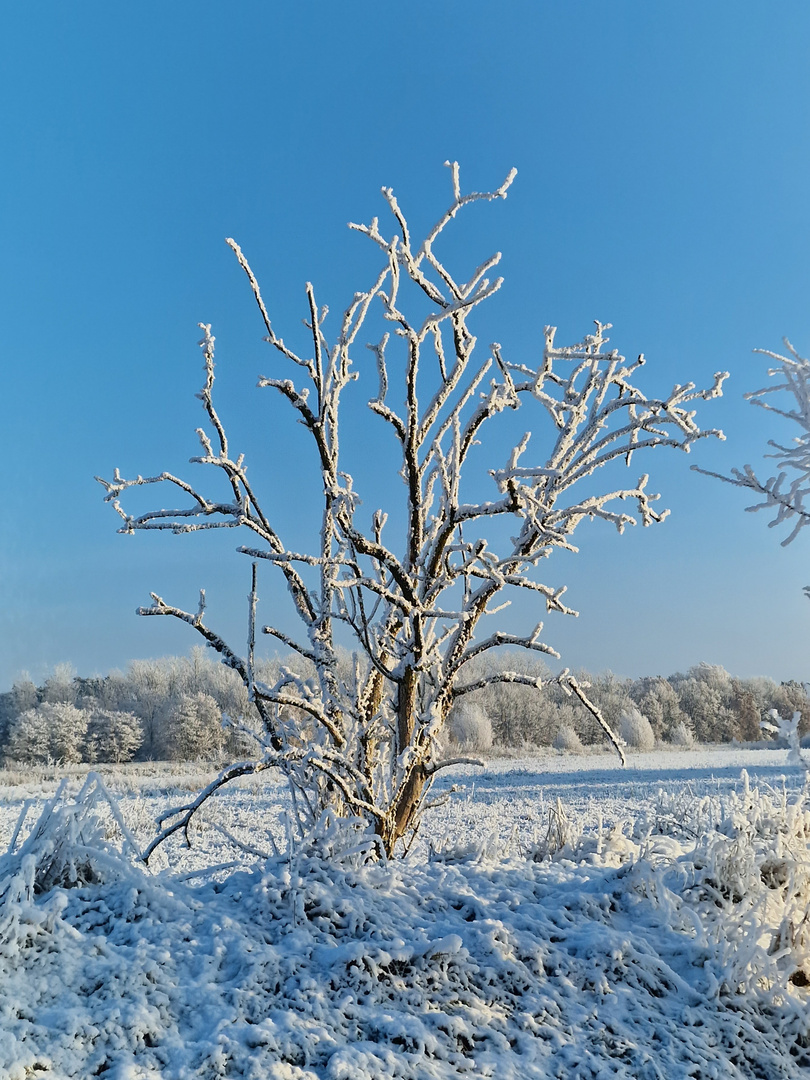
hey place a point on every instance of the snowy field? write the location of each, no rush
(558, 916)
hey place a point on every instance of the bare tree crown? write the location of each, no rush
(365, 740)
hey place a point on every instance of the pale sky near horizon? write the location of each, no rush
(662, 154)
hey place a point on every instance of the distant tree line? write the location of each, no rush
(173, 708)
(191, 708)
(705, 704)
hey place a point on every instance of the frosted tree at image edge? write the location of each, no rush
(367, 744)
(786, 492)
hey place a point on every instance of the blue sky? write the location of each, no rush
(663, 157)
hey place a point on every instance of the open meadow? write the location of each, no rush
(557, 916)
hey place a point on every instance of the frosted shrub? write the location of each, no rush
(562, 834)
(455, 966)
(753, 889)
(636, 730)
(567, 739)
(682, 735)
(469, 726)
(786, 728)
(67, 845)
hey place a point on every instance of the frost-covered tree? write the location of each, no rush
(51, 732)
(418, 600)
(112, 735)
(153, 686)
(656, 697)
(68, 729)
(519, 713)
(110, 691)
(22, 696)
(60, 686)
(611, 694)
(747, 713)
(194, 729)
(29, 738)
(706, 695)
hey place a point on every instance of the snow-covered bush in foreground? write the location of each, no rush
(622, 953)
(749, 885)
(417, 604)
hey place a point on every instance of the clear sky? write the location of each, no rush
(663, 155)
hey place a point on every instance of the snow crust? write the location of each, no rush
(560, 918)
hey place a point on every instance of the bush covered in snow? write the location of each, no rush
(568, 740)
(469, 727)
(636, 730)
(682, 735)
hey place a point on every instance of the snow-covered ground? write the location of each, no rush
(558, 916)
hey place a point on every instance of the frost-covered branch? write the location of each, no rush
(786, 494)
(184, 814)
(572, 687)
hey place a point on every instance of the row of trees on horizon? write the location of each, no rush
(191, 708)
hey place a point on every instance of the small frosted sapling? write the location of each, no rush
(420, 598)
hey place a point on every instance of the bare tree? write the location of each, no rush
(419, 607)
